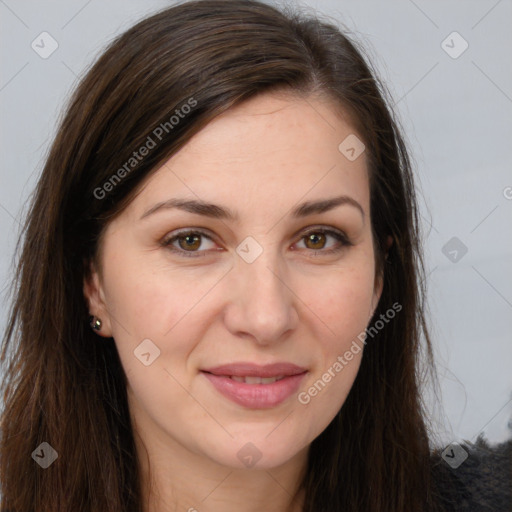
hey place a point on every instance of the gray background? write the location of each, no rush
(457, 115)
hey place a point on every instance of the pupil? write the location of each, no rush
(191, 241)
(316, 239)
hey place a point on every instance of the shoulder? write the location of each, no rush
(474, 477)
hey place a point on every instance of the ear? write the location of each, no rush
(95, 298)
(389, 243)
(379, 280)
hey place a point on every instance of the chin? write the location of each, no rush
(255, 452)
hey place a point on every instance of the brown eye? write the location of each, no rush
(190, 241)
(315, 240)
(325, 241)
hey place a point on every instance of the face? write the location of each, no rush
(247, 256)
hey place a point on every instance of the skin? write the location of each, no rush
(294, 303)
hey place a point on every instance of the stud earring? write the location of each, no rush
(95, 323)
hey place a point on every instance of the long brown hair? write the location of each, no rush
(65, 386)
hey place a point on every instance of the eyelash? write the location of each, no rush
(338, 235)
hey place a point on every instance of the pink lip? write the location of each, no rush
(254, 370)
(256, 396)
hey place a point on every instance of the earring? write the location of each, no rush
(95, 323)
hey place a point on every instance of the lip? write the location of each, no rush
(254, 370)
(256, 396)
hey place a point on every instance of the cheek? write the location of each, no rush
(342, 302)
(151, 300)
(151, 315)
(145, 304)
(340, 307)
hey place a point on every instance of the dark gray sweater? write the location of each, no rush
(481, 483)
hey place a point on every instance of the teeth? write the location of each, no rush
(257, 380)
(253, 380)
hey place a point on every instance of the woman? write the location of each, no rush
(218, 303)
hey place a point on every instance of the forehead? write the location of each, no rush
(273, 126)
(277, 148)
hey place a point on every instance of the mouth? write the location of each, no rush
(256, 387)
(274, 370)
(255, 380)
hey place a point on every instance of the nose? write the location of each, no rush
(262, 305)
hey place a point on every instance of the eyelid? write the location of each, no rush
(339, 235)
(321, 228)
(167, 241)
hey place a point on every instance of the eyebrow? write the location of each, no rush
(220, 212)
